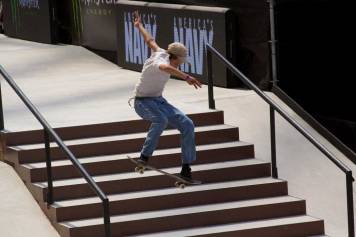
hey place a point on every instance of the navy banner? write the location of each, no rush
(191, 25)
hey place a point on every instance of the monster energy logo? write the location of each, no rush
(99, 2)
(77, 18)
(32, 4)
(15, 15)
(16, 5)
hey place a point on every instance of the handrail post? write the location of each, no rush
(273, 142)
(210, 79)
(273, 42)
(2, 126)
(107, 218)
(350, 204)
(49, 168)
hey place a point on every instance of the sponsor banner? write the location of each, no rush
(76, 21)
(29, 20)
(95, 24)
(191, 25)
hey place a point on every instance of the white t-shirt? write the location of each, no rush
(153, 80)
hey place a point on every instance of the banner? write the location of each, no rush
(96, 25)
(191, 25)
(29, 20)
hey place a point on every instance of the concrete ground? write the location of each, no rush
(19, 213)
(71, 86)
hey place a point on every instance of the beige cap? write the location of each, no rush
(178, 49)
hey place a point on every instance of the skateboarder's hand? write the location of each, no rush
(137, 19)
(193, 81)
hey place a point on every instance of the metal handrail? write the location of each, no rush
(49, 131)
(273, 108)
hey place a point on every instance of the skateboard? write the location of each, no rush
(180, 182)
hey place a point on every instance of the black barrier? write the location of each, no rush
(29, 20)
(191, 25)
(66, 19)
(96, 26)
(1, 18)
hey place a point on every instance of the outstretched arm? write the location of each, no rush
(146, 36)
(178, 73)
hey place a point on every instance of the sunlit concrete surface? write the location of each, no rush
(19, 213)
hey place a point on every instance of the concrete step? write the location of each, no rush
(131, 181)
(119, 144)
(134, 125)
(295, 226)
(168, 198)
(162, 158)
(187, 217)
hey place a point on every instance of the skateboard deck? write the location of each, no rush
(180, 182)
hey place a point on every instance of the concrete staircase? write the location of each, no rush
(238, 197)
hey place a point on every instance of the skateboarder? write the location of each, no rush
(151, 105)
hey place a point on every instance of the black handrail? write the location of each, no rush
(49, 131)
(275, 107)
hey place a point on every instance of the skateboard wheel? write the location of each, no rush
(176, 184)
(182, 186)
(137, 169)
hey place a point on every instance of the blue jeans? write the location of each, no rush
(161, 113)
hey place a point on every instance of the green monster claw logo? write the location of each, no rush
(15, 15)
(77, 18)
